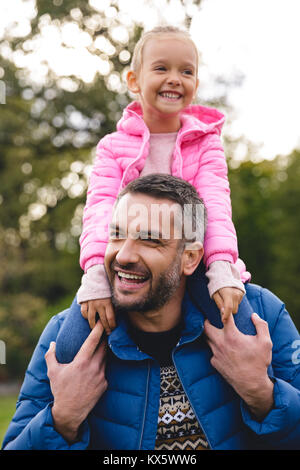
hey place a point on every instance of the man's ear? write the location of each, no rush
(191, 257)
(132, 82)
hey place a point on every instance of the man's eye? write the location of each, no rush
(155, 241)
(114, 235)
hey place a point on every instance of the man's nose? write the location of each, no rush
(127, 252)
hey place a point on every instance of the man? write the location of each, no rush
(165, 378)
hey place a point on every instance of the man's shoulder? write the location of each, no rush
(72, 331)
(264, 302)
(255, 292)
(57, 320)
(61, 316)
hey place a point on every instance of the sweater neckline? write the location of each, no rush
(158, 135)
(158, 345)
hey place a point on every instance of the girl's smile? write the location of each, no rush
(172, 96)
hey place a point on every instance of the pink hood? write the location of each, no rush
(202, 118)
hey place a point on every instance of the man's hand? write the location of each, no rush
(77, 386)
(243, 361)
(228, 300)
(105, 310)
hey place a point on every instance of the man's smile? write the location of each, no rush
(130, 280)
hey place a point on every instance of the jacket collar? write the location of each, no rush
(124, 347)
(194, 118)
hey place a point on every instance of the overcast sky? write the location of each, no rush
(258, 39)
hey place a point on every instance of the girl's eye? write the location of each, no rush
(160, 68)
(188, 72)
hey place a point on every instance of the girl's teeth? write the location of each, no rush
(170, 95)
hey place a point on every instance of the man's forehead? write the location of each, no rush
(129, 200)
(147, 212)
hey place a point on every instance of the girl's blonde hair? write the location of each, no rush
(136, 61)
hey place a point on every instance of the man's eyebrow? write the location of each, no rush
(142, 234)
(146, 234)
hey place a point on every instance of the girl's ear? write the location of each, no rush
(132, 82)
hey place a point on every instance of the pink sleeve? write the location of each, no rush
(223, 274)
(94, 284)
(211, 182)
(102, 192)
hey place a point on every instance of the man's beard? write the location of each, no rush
(157, 296)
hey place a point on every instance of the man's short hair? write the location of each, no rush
(164, 186)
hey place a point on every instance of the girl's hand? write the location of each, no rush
(103, 308)
(228, 300)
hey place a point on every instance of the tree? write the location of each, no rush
(286, 229)
(265, 200)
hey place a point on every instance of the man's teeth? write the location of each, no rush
(130, 276)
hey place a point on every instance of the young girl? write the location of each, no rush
(162, 132)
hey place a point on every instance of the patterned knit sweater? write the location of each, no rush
(177, 427)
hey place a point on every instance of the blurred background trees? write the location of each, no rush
(49, 126)
(266, 203)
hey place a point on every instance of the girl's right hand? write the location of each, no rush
(105, 310)
(228, 300)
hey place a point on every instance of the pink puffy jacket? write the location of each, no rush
(198, 158)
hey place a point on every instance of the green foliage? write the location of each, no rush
(46, 137)
(21, 319)
(285, 241)
(251, 202)
(266, 203)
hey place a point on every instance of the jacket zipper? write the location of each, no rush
(145, 408)
(178, 148)
(191, 402)
(133, 164)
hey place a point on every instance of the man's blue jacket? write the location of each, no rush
(126, 416)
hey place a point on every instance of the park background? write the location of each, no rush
(63, 64)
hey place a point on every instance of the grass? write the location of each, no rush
(7, 410)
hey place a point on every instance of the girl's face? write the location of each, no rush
(167, 80)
